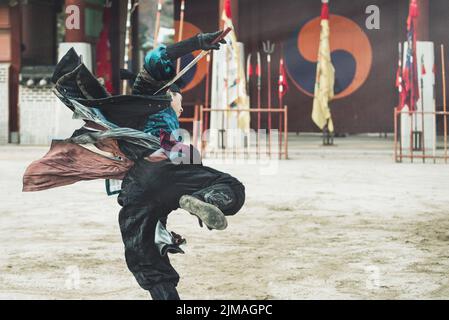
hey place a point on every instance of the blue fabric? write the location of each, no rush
(165, 120)
(158, 64)
(161, 68)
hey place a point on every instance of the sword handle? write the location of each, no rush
(222, 35)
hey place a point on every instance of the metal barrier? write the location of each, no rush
(416, 148)
(202, 120)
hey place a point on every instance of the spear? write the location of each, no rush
(268, 48)
(259, 90)
(282, 90)
(206, 103)
(259, 81)
(249, 73)
(443, 74)
(423, 73)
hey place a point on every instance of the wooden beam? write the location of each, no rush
(16, 64)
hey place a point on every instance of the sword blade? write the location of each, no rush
(194, 61)
(183, 71)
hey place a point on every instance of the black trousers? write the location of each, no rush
(150, 191)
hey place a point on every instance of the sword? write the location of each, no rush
(194, 62)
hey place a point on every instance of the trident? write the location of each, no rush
(268, 48)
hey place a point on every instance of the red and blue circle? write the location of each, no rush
(196, 74)
(351, 55)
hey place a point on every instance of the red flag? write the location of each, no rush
(259, 66)
(423, 66)
(398, 78)
(399, 71)
(250, 70)
(410, 72)
(400, 84)
(325, 11)
(103, 52)
(227, 9)
(283, 84)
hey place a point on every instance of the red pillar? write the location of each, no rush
(76, 35)
(16, 64)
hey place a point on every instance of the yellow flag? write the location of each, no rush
(236, 79)
(325, 78)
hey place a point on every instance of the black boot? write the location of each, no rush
(164, 291)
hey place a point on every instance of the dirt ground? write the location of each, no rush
(335, 224)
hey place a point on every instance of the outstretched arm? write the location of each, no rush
(159, 65)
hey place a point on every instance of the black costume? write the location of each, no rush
(151, 190)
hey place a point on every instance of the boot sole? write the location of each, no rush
(209, 214)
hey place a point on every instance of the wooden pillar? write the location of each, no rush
(76, 35)
(136, 63)
(16, 64)
(38, 33)
(114, 37)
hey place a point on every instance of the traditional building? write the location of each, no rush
(33, 35)
(32, 31)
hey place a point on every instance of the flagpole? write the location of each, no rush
(269, 103)
(411, 48)
(259, 99)
(268, 47)
(410, 79)
(206, 102)
(422, 121)
(400, 88)
(443, 67)
(423, 143)
(181, 31)
(158, 24)
(400, 74)
(249, 74)
(413, 103)
(281, 91)
(325, 79)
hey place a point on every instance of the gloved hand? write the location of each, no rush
(205, 40)
(202, 41)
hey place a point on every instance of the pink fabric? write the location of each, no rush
(67, 163)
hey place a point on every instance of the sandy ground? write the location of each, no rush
(331, 223)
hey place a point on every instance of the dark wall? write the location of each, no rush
(368, 109)
(439, 26)
(439, 33)
(39, 33)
